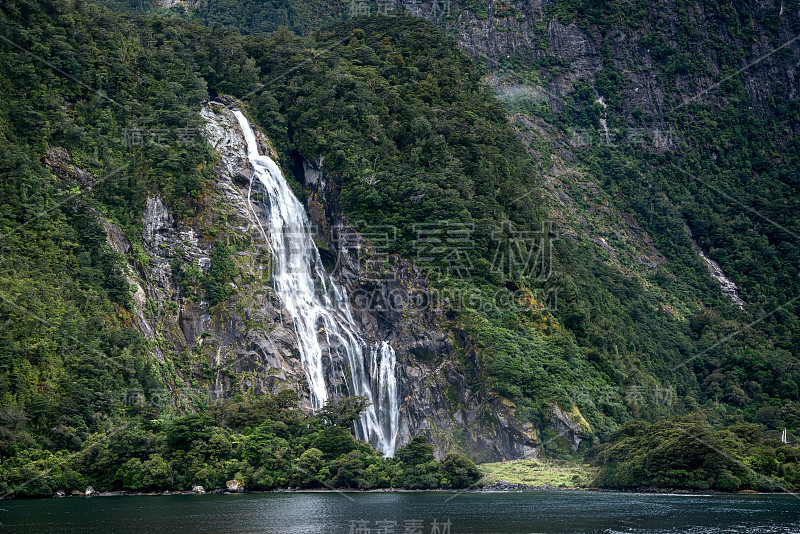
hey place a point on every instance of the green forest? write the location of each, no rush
(267, 443)
(398, 111)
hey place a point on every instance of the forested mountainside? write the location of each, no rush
(544, 192)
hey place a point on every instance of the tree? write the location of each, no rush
(343, 412)
(334, 442)
(309, 465)
(459, 471)
(727, 481)
(131, 474)
(155, 472)
(349, 470)
(418, 451)
(185, 430)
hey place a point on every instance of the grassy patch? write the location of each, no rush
(558, 473)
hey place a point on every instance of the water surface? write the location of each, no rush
(408, 513)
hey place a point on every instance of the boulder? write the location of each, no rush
(200, 490)
(90, 491)
(235, 486)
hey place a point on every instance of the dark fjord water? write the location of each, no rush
(408, 513)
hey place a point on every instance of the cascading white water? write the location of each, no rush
(384, 377)
(320, 308)
(377, 381)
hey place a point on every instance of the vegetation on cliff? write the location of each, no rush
(404, 122)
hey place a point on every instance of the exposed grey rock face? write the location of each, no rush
(156, 223)
(575, 49)
(168, 4)
(393, 302)
(525, 31)
(59, 160)
(565, 425)
(727, 285)
(117, 239)
(244, 344)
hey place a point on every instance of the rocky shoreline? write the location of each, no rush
(488, 487)
(508, 486)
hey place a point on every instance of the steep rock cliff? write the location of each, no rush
(245, 344)
(619, 36)
(242, 345)
(443, 388)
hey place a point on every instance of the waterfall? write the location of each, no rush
(387, 395)
(320, 308)
(379, 383)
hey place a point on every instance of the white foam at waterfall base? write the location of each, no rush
(319, 307)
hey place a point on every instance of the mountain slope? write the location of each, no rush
(527, 339)
(682, 116)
